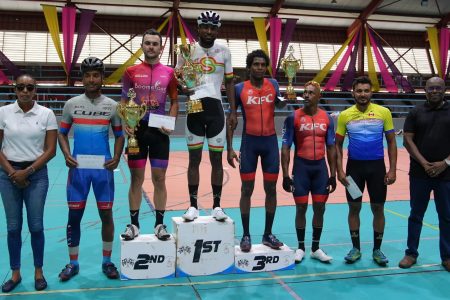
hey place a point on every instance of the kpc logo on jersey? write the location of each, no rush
(259, 100)
(311, 126)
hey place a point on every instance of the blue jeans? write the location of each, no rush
(33, 196)
(420, 190)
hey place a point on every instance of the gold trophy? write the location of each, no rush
(188, 76)
(131, 113)
(290, 66)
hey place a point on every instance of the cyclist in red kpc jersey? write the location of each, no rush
(311, 129)
(257, 98)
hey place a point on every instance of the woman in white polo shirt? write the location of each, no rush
(28, 133)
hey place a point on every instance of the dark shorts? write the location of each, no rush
(265, 147)
(310, 176)
(153, 145)
(370, 172)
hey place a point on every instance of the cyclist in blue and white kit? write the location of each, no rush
(91, 114)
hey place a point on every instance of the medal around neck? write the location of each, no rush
(131, 113)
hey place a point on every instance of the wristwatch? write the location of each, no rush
(447, 161)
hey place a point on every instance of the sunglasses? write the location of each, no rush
(29, 87)
(437, 88)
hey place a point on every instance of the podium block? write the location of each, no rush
(262, 258)
(204, 246)
(147, 257)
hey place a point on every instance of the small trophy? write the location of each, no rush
(290, 66)
(188, 76)
(131, 113)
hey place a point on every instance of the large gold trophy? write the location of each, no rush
(131, 113)
(290, 66)
(188, 75)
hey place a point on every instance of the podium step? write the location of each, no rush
(262, 258)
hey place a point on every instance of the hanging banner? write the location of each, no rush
(275, 38)
(334, 79)
(187, 31)
(182, 34)
(260, 27)
(117, 74)
(351, 69)
(321, 75)
(4, 79)
(84, 26)
(51, 17)
(434, 45)
(9, 65)
(68, 30)
(444, 44)
(372, 72)
(388, 81)
(287, 37)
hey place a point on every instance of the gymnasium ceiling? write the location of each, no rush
(399, 15)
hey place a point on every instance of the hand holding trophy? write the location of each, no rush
(290, 66)
(188, 76)
(131, 113)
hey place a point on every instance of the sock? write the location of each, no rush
(217, 193)
(193, 191)
(377, 239)
(301, 238)
(269, 223)
(107, 249)
(246, 223)
(73, 254)
(317, 232)
(354, 234)
(134, 215)
(159, 214)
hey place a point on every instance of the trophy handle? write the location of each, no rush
(120, 109)
(143, 109)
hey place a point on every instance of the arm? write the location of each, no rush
(231, 155)
(63, 141)
(3, 160)
(287, 140)
(331, 158)
(173, 95)
(118, 148)
(339, 157)
(390, 177)
(232, 118)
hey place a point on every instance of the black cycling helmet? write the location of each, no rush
(209, 17)
(92, 63)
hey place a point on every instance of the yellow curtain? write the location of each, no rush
(434, 44)
(372, 73)
(182, 34)
(117, 74)
(321, 75)
(51, 17)
(260, 27)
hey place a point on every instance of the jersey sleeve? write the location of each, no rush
(126, 84)
(228, 65)
(52, 124)
(341, 124)
(172, 90)
(277, 89)
(237, 94)
(116, 122)
(66, 120)
(288, 131)
(2, 120)
(388, 123)
(410, 122)
(330, 137)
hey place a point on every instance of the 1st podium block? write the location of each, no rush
(147, 257)
(204, 246)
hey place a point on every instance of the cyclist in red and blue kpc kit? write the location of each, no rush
(311, 130)
(257, 98)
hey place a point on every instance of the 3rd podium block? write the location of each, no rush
(204, 246)
(147, 257)
(262, 258)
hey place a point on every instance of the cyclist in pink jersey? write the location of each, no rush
(152, 82)
(311, 130)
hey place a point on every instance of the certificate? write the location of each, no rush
(204, 90)
(352, 188)
(90, 161)
(158, 121)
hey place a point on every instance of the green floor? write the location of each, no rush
(309, 280)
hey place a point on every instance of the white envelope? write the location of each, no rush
(90, 161)
(158, 121)
(352, 188)
(204, 90)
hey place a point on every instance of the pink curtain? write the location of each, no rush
(68, 29)
(444, 45)
(275, 38)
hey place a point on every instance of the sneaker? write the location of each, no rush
(218, 214)
(68, 272)
(246, 243)
(299, 254)
(379, 257)
(130, 233)
(271, 241)
(161, 232)
(191, 214)
(110, 270)
(353, 255)
(320, 255)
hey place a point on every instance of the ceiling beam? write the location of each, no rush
(276, 8)
(362, 18)
(444, 21)
(176, 4)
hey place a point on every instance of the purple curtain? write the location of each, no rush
(9, 65)
(287, 37)
(84, 26)
(275, 37)
(3, 78)
(351, 70)
(444, 44)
